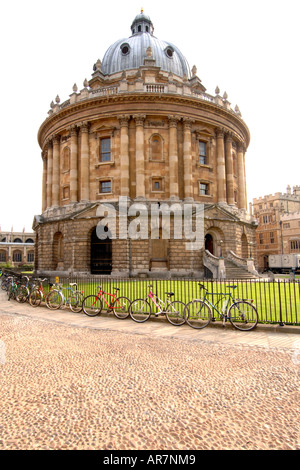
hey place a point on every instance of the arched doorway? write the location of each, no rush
(159, 252)
(244, 242)
(101, 253)
(58, 251)
(209, 243)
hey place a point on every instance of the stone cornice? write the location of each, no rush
(101, 107)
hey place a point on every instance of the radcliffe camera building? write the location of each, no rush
(143, 127)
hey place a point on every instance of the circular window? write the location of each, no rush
(169, 52)
(125, 49)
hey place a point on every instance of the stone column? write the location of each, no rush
(140, 155)
(124, 155)
(56, 171)
(84, 163)
(49, 173)
(221, 173)
(44, 184)
(74, 165)
(187, 159)
(173, 157)
(229, 170)
(245, 181)
(241, 177)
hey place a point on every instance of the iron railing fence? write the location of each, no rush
(277, 301)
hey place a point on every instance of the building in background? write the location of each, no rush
(278, 231)
(145, 129)
(17, 248)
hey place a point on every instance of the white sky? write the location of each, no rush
(249, 48)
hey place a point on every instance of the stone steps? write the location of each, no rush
(236, 272)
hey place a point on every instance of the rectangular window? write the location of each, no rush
(204, 189)
(105, 186)
(105, 150)
(272, 240)
(295, 245)
(202, 153)
(66, 192)
(157, 184)
(261, 239)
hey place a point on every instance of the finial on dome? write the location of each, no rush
(142, 10)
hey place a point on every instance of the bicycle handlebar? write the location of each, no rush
(202, 286)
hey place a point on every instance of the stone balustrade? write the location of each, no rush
(124, 87)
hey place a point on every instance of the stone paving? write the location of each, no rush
(69, 381)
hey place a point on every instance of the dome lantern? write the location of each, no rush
(142, 24)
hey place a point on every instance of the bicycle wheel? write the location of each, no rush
(121, 307)
(198, 314)
(140, 310)
(243, 315)
(22, 294)
(175, 313)
(54, 300)
(92, 305)
(76, 301)
(35, 298)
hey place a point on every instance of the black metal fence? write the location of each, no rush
(277, 301)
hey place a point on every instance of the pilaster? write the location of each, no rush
(173, 156)
(84, 162)
(124, 155)
(49, 172)
(229, 169)
(140, 155)
(221, 173)
(74, 165)
(56, 171)
(187, 158)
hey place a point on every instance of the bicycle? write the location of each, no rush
(38, 294)
(56, 298)
(140, 309)
(93, 304)
(24, 289)
(241, 313)
(12, 288)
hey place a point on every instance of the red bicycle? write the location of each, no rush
(93, 304)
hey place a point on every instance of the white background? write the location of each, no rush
(250, 49)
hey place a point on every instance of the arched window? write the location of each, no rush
(3, 257)
(156, 148)
(17, 256)
(66, 159)
(58, 249)
(30, 257)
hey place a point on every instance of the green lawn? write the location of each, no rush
(276, 302)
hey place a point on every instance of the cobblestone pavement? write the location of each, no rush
(70, 384)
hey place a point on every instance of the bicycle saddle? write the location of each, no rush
(170, 293)
(231, 287)
(73, 283)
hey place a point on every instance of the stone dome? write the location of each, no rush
(130, 53)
